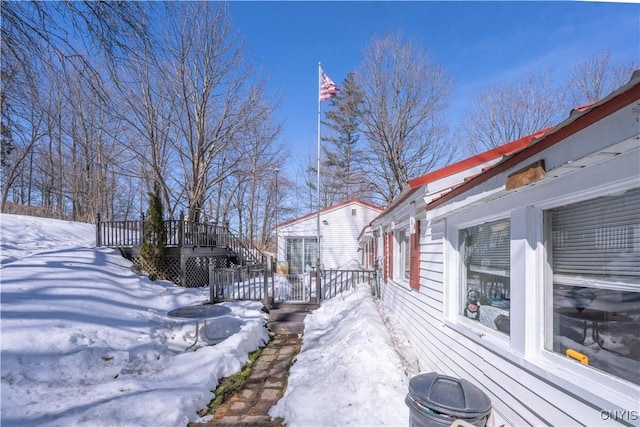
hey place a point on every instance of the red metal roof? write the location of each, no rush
(503, 150)
(579, 119)
(466, 164)
(520, 149)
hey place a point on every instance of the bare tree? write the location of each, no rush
(218, 98)
(260, 156)
(96, 110)
(23, 127)
(31, 28)
(596, 77)
(64, 42)
(93, 150)
(306, 198)
(403, 97)
(504, 113)
(148, 113)
(52, 164)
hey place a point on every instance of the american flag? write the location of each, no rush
(328, 88)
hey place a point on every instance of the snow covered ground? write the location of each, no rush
(86, 341)
(348, 372)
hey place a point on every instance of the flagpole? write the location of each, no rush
(318, 169)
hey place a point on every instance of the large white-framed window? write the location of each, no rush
(402, 251)
(593, 295)
(531, 291)
(485, 277)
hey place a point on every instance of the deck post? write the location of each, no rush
(181, 230)
(183, 257)
(318, 282)
(265, 285)
(213, 297)
(98, 234)
(141, 231)
(183, 267)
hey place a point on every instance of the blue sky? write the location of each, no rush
(478, 44)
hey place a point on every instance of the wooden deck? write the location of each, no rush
(191, 248)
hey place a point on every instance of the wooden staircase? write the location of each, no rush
(202, 243)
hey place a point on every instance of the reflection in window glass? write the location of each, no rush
(486, 285)
(595, 258)
(602, 324)
(301, 254)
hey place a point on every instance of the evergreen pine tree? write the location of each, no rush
(343, 172)
(152, 250)
(6, 144)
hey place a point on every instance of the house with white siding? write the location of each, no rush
(519, 269)
(339, 227)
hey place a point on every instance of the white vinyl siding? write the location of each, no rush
(339, 230)
(464, 353)
(527, 384)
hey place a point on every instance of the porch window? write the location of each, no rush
(403, 252)
(595, 291)
(302, 253)
(486, 284)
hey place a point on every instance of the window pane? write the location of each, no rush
(402, 251)
(486, 285)
(294, 255)
(310, 254)
(302, 254)
(598, 237)
(595, 258)
(405, 252)
(602, 324)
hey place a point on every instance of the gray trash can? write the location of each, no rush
(437, 400)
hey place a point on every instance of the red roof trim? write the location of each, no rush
(478, 159)
(587, 118)
(395, 203)
(503, 150)
(330, 208)
(584, 107)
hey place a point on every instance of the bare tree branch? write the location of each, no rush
(403, 97)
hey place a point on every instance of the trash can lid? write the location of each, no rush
(452, 396)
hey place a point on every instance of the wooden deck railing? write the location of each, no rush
(179, 233)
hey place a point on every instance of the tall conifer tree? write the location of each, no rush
(153, 250)
(342, 166)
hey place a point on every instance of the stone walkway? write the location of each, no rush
(268, 381)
